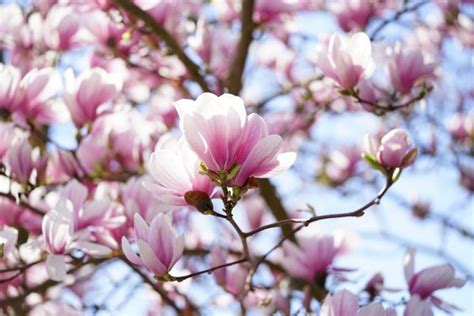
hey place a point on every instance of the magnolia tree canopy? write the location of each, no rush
(187, 157)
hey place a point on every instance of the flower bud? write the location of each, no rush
(395, 150)
(200, 200)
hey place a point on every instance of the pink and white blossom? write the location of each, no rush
(174, 170)
(407, 67)
(159, 247)
(346, 60)
(429, 280)
(22, 160)
(395, 149)
(85, 94)
(58, 230)
(222, 135)
(9, 80)
(313, 257)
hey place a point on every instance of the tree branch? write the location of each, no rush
(184, 277)
(160, 31)
(234, 80)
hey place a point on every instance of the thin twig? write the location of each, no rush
(184, 277)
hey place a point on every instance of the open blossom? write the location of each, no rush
(174, 169)
(344, 303)
(85, 94)
(222, 135)
(9, 79)
(61, 28)
(87, 213)
(34, 97)
(137, 200)
(394, 151)
(346, 61)
(425, 282)
(353, 14)
(58, 229)
(158, 245)
(314, 256)
(407, 67)
(23, 160)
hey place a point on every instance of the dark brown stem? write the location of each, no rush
(22, 268)
(184, 277)
(270, 195)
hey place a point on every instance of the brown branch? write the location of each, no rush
(270, 195)
(184, 277)
(234, 80)
(161, 32)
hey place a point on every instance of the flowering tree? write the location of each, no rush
(206, 157)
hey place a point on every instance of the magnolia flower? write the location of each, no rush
(344, 303)
(174, 169)
(58, 229)
(407, 67)
(341, 164)
(23, 159)
(158, 245)
(346, 61)
(137, 200)
(85, 94)
(61, 28)
(34, 97)
(425, 282)
(9, 79)
(222, 135)
(314, 256)
(394, 151)
(353, 14)
(90, 213)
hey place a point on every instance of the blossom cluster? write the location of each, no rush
(197, 148)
